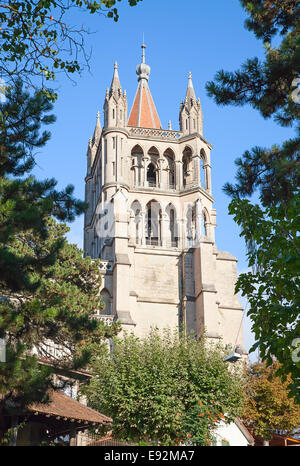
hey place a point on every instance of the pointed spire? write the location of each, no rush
(190, 93)
(115, 103)
(115, 86)
(190, 112)
(143, 112)
(97, 131)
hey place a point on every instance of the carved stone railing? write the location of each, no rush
(158, 242)
(153, 242)
(106, 319)
(52, 351)
(156, 133)
(106, 265)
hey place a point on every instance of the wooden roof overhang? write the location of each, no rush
(56, 426)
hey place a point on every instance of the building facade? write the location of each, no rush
(151, 219)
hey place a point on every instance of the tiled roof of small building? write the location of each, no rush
(64, 406)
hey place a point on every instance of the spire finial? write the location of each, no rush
(115, 84)
(143, 70)
(143, 112)
(190, 93)
(143, 53)
(97, 130)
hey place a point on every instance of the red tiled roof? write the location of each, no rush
(143, 113)
(64, 406)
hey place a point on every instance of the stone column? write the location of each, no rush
(182, 227)
(160, 163)
(131, 228)
(196, 180)
(207, 171)
(145, 160)
(139, 171)
(166, 178)
(178, 174)
(143, 172)
(127, 170)
(198, 217)
(143, 236)
(208, 229)
(138, 223)
(164, 226)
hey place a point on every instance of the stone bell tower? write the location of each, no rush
(151, 219)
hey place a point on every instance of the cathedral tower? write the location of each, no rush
(151, 219)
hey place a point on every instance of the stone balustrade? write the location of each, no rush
(169, 135)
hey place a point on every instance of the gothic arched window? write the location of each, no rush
(136, 160)
(190, 225)
(151, 175)
(135, 222)
(172, 235)
(153, 223)
(106, 300)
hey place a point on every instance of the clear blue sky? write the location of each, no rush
(181, 36)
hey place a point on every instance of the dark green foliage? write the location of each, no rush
(25, 202)
(48, 291)
(273, 172)
(271, 17)
(59, 312)
(272, 287)
(270, 229)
